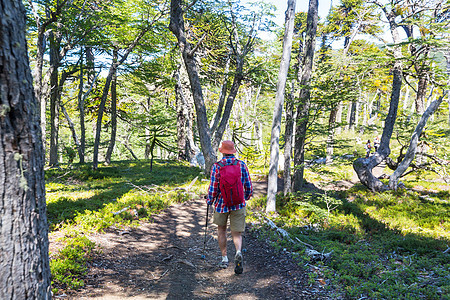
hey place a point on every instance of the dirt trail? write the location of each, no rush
(162, 260)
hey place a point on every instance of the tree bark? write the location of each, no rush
(288, 135)
(421, 93)
(304, 106)
(406, 98)
(330, 137)
(24, 260)
(448, 102)
(112, 140)
(177, 27)
(40, 50)
(340, 108)
(54, 107)
(82, 142)
(278, 109)
(181, 104)
(411, 152)
(363, 166)
(352, 116)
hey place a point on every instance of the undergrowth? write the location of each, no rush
(391, 245)
(81, 201)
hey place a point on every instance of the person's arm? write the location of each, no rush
(248, 188)
(213, 185)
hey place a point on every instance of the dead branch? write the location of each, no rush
(284, 233)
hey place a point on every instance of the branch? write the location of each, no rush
(198, 44)
(190, 5)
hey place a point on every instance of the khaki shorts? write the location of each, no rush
(237, 219)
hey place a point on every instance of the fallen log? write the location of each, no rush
(313, 254)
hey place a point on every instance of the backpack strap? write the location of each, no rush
(232, 164)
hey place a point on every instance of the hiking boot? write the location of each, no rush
(238, 263)
(223, 264)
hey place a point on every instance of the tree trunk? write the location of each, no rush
(365, 114)
(421, 93)
(112, 71)
(258, 135)
(223, 94)
(330, 138)
(40, 50)
(340, 108)
(303, 108)
(147, 133)
(112, 140)
(406, 98)
(54, 91)
(278, 109)
(448, 102)
(352, 116)
(127, 146)
(191, 148)
(177, 27)
(101, 108)
(72, 130)
(24, 267)
(81, 101)
(411, 152)
(229, 104)
(363, 166)
(288, 134)
(181, 104)
(37, 77)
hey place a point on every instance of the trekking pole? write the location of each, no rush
(206, 228)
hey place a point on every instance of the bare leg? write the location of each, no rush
(222, 238)
(237, 240)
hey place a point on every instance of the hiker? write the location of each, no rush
(229, 188)
(376, 142)
(367, 147)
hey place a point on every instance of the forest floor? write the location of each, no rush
(163, 260)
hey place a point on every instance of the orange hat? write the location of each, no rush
(227, 147)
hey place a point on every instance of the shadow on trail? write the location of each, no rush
(162, 260)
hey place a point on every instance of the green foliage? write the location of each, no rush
(88, 198)
(384, 245)
(81, 201)
(69, 264)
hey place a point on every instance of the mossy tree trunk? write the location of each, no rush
(24, 260)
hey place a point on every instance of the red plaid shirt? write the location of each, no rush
(214, 195)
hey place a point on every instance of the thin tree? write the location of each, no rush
(109, 77)
(188, 53)
(411, 152)
(112, 140)
(24, 267)
(304, 106)
(278, 109)
(363, 166)
(209, 142)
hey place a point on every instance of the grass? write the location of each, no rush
(81, 201)
(384, 245)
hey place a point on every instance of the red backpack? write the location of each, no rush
(230, 183)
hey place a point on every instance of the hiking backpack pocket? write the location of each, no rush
(230, 184)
